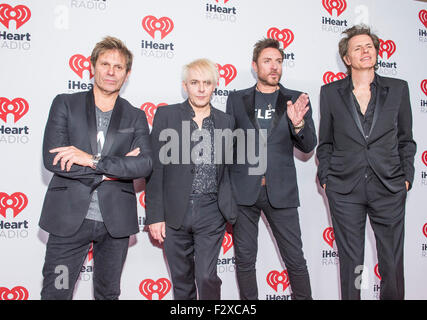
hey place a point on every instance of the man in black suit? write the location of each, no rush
(188, 201)
(95, 143)
(275, 120)
(366, 162)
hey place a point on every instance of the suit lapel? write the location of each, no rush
(91, 121)
(382, 92)
(114, 125)
(280, 109)
(249, 103)
(347, 97)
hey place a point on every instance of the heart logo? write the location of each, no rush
(424, 157)
(377, 272)
(142, 199)
(387, 46)
(285, 36)
(18, 107)
(274, 278)
(225, 1)
(227, 242)
(79, 63)
(150, 109)
(330, 5)
(151, 24)
(425, 230)
(329, 76)
(424, 86)
(228, 72)
(16, 293)
(20, 14)
(423, 17)
(16, 201)
(329, 236)
(148, 287)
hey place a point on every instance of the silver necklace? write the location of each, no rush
(269, 106)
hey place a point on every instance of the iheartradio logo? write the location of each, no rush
(20, 14)
(274, 278)
(142, 199)
(425, 230)
(225, 1)
(329, 236)
(377, 272)
(338, 5)
(424, 158)
(151, 24)
(227, 242)
(329, 76)
(148, 287)
(16, 202)
(423, 17)
(150, 109)
(79, 63)
(90, 253)
(228, 72)
(424, 86)
(285, 36)
(18, 107)
(387, 46)
(16, 293)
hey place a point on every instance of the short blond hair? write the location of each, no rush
(112, 43)
(201, 65)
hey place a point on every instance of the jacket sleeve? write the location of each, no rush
(128, 168)
(326, 133)
(407, 146)
(154, 208)
(57, 135)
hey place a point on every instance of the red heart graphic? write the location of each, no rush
(225, 1)
(21, 14)
(329, 76)
(151, 24)
(423, 17)
(78, 63)
(424, 157)
(16, 201)
(425, 230)
(274, 278)
(387, 46)
(142, 199)
(424, 86)
(18, 107)
(330, 5)
(285, 36)
(16, 293)
(227, 242)
(377, 272)
(150, 109)
(148, 287)
(329, 236)
(227, 72)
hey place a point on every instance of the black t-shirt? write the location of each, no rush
(265, 104)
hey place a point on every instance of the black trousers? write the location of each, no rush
(386, 212)
(192, 251)
(286, 230)
(65, 257)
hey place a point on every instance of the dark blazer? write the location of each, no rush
(169, 187)
(72, 121)
(344, 151)
(281, 176)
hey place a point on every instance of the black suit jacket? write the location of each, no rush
(344, 151)
(72, 121)
(169, 187)
(280, 175)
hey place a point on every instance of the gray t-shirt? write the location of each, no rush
(265, 104)
(102, 123)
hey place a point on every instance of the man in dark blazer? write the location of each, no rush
(366, 162)
(275, 120)
(95, 143)
(188, 196)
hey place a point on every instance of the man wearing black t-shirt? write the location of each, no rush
(281, 119)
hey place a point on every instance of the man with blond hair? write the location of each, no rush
(188, 201)
(95, 143)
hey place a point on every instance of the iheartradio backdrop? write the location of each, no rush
(45, 48)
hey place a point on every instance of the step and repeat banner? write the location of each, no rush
(45, 49)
